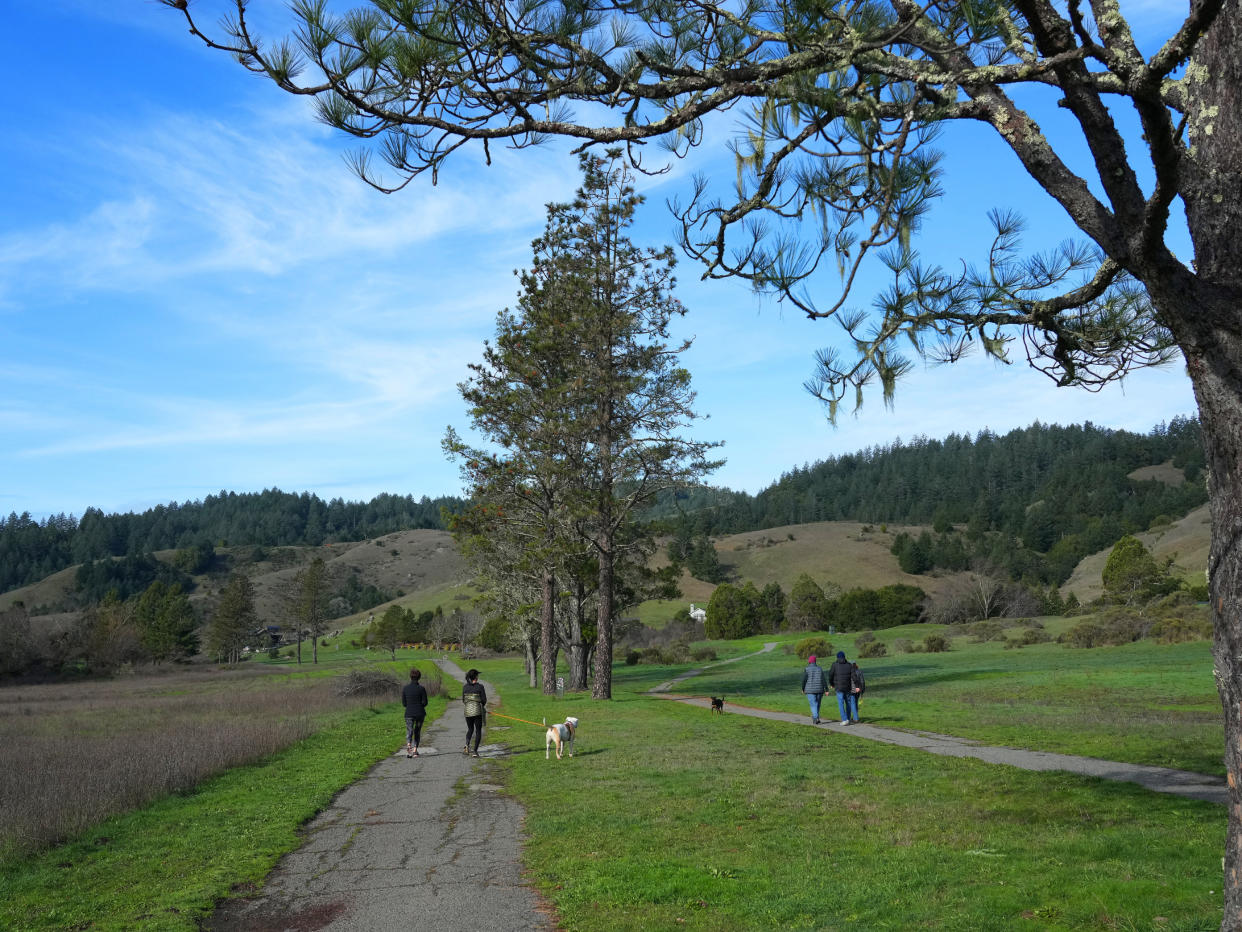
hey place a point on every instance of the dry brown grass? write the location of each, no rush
(418, 562)
(1187, 540)
(843, 553)
(73, 754)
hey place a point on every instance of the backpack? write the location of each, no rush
(857, 683)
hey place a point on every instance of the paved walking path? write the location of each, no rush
(1159, 779)
(417, 842)
(430, 840)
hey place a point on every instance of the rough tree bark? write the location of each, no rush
(1208, 327)
(547, 619)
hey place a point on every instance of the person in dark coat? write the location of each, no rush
(814, 685)
(475, 697)
(414, 699)
(841, 676)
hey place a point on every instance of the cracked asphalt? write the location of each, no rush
(424, 840)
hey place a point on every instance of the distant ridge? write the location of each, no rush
(31, 550)
(1034, 501)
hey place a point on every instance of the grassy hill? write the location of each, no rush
(1186, 541)
(424, 566)
(846, 554)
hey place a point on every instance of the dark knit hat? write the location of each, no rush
(840, 655)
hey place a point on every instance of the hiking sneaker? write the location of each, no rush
(474, 753)
(814, 721)
(844, 723)
(415, 754)
(466, 749)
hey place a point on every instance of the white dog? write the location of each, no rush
(560, 735)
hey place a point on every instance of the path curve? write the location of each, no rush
(1158, 779)
(430, 840)
(665, 687)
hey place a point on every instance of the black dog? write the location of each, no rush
(717, 705)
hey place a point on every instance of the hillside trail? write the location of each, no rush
(1157, 779)
(429, 840)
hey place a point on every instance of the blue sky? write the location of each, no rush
(196, 294)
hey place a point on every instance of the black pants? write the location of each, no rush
(413, 730)
(474, 728)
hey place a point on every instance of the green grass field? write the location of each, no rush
(671, 818)
(1143, 703)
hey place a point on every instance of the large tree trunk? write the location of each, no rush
(1220, 412)
(547, 617)
(602, 688)
(532, 661)
(577, 647)
(1208, 325)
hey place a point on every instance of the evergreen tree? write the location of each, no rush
(387, 633)
(703, 562)
(771, 609)
(583, 392)
(167, 623)
(731, 612)
(1132, 574)
(234, 622)
(311, 605)
(809, 608)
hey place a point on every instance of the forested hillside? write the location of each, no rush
(1033, 501)
(31, 550)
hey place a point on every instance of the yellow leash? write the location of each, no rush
(512, 719)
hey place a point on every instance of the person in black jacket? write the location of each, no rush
(475, 697)
(814, 685)
(414, 699)
(841, 676)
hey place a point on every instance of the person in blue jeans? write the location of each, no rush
(814, 685)
(841, 676)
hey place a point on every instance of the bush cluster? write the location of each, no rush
(820, 647)
(1172, 619)
(669, 655)
(872, 648)
(1109, 628)
(1029, 635)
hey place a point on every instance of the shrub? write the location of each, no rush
(820, 647)
(1177, 630)
(983, 631)
(678, 652)
(703, 653)
(872, 649)
(902, 646)
(368, 683)
(864, 638)
(1108, 629)
(1029, 636)
(935, 643)
(632, 657)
